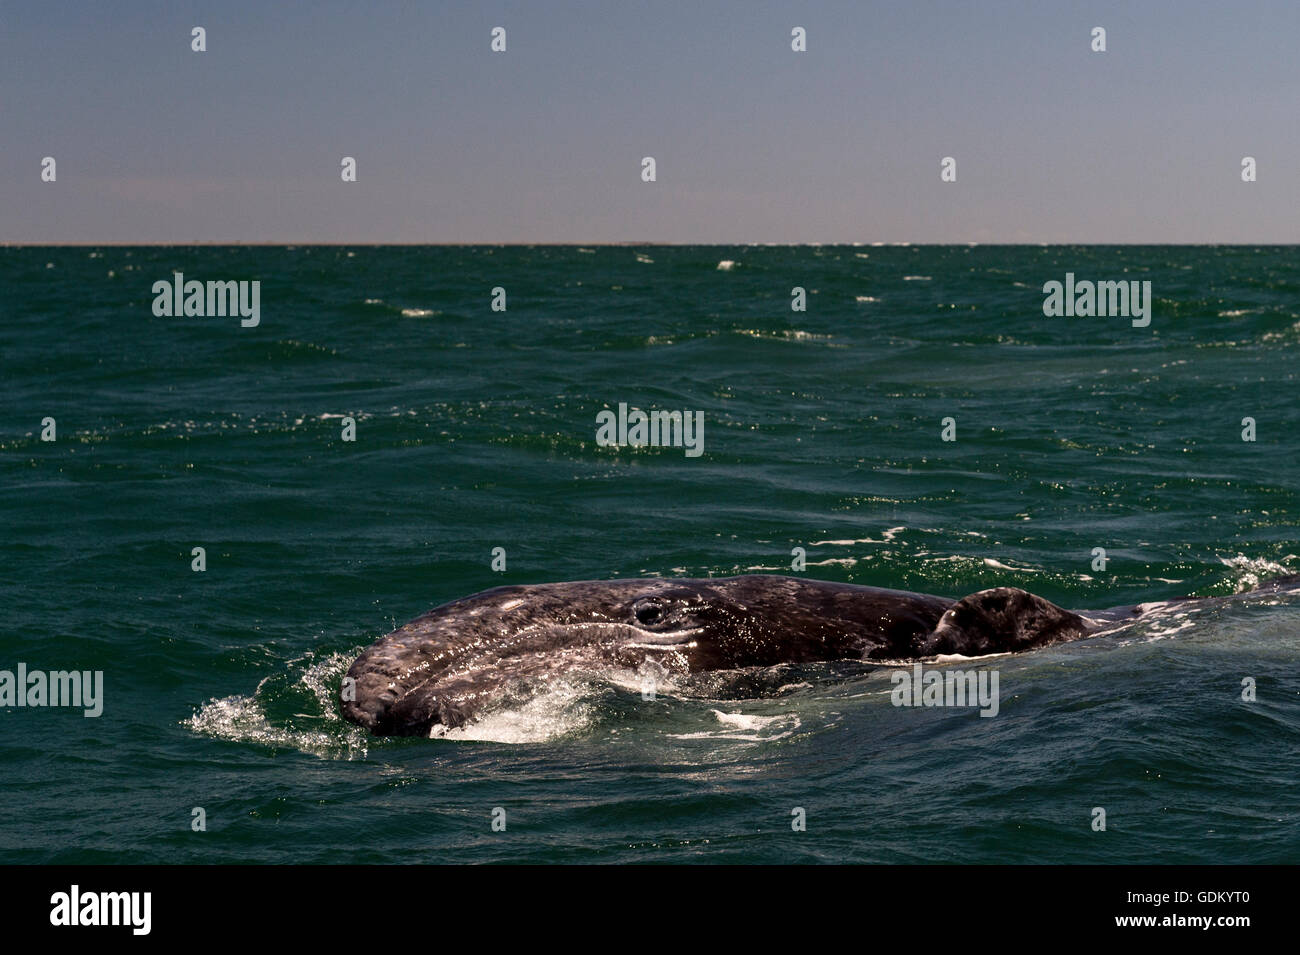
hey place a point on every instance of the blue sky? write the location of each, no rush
(754, 143)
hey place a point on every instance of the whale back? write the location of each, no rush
(446, 665)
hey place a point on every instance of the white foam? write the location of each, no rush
(1251, 572)
(887, 536)
(741, 721)
(555, 712)
(791, 687)
(940, 659)
(241, 719)
(752, 728)
(995, 563)
(785, 334)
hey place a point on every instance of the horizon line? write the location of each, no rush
(617, 244)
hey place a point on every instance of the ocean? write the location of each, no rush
(473, 429)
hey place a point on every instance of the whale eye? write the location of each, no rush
(649, 612)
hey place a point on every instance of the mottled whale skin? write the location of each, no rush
(444, 666)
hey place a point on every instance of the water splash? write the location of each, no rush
(1248, 572)
(257, 719)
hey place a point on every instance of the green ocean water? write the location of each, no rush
(476, 429)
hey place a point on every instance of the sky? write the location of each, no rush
(753, 142)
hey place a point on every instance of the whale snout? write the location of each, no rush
(391, 700)
(372, 701)
(368, 707)
(387, 712)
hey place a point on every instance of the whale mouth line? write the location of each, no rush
(676, 638)
(635, 634)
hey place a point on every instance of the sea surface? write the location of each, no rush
(476, 429)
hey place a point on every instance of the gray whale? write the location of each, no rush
(446, 665)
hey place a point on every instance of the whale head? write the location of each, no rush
(444, 665)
